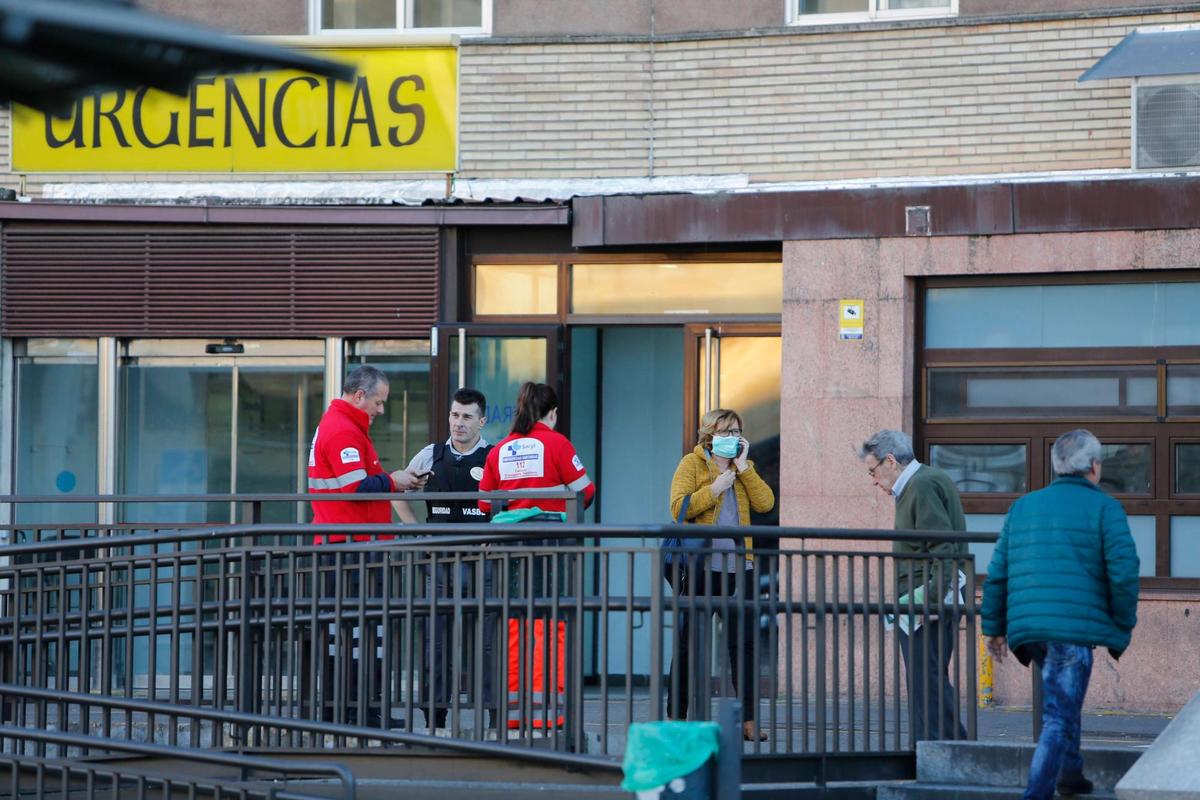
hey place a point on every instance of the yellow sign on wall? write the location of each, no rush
(399, 115)
(850, 319)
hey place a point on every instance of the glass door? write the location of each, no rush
(199, 418)
(404, 428)
(496, 360)
(55, 453)
(738, 366)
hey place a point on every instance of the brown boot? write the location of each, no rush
(751, 732)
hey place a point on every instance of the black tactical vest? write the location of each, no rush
(452, 474)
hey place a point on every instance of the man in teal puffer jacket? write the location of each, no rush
(1063, 580)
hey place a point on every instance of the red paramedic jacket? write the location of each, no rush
(540, 459)
(340, 458)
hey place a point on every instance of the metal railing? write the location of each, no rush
(107, 719)
(41, 763)
(524, 635)
(143, 514)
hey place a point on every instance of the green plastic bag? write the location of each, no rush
(659, 752)
(522, 514)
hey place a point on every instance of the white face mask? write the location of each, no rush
(725, 446)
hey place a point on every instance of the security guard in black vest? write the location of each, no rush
(457, 466)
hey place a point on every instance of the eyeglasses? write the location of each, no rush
(878, 464)
(730, 432)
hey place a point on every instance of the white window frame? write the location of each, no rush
(877, 11)
(404, 13)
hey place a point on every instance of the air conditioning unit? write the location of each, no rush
(1166, 125)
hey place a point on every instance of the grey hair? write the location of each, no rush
(1075, 452)
(366, 378)
(888, 442)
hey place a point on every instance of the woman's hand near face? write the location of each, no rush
(740, 462)
(722, 483)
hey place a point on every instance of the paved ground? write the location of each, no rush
(1134, 730)
(1013, 725)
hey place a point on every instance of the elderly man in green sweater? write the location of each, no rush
(926, 499)
(1062, 581)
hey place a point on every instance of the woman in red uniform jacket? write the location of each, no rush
(534, 456)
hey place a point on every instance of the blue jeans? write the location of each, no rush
(1066, 669)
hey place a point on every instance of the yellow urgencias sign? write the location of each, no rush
(399, 115)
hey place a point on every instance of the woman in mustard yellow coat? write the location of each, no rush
(716, 484)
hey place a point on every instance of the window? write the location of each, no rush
(983, 468)
(1187, 468)
(809, 12)
(1052, 392)
(1128, 468)
(516, 289)
(461, 16)
(1183, 390)
(685, 288)
(406, 423)
(1006, 368)
(1158, 314)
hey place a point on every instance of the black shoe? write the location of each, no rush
(372, 719)
(1071, 785)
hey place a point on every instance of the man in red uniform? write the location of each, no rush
(342, 458)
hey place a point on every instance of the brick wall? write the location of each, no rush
(848, 102)
(875, 102)
(580, 110)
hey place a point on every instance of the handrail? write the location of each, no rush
(332, 769)
(557, 494)
(573, 502)
(309, 726)
(449, 535)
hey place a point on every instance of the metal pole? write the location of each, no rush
(233, 444)
(708, 369)
(462, 359)
(727, 784)
(335, 368)
(656, 644)
(106, 452)
(714, 369)
(8, 401)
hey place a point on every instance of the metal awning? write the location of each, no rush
(1143, 53)
(52, 51)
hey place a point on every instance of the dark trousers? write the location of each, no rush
(351, 666)
(930, 694)
(448, 639)
(741, 631)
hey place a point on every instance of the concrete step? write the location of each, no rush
(937, 791)
(994, 764)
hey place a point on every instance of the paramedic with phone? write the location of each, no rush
(342, 458)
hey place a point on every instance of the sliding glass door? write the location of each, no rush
(197, 422)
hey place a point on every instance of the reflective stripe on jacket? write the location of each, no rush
(340, 458)
(541, 459)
